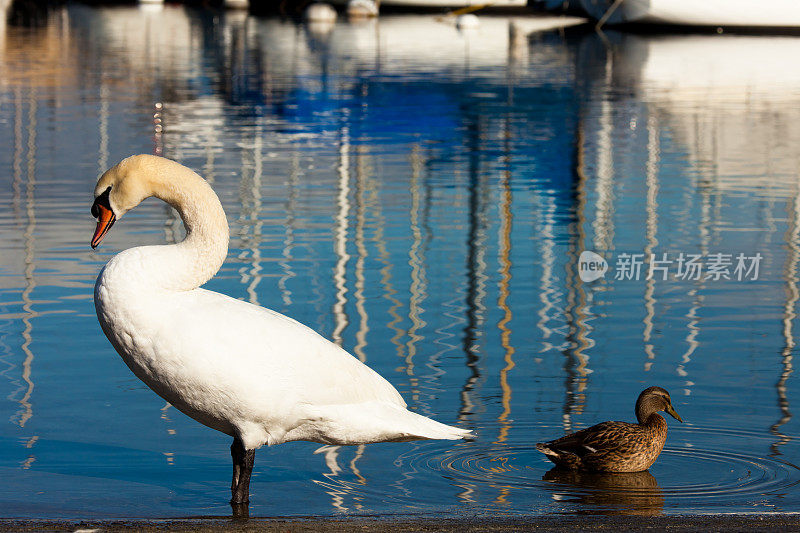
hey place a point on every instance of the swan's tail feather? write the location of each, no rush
(379, 422)
(426, 428)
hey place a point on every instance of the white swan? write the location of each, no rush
(244, 370)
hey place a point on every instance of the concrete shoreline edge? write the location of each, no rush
(593, 522)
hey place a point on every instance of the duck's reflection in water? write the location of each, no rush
(625, 493)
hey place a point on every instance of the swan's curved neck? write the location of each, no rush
(195, 260)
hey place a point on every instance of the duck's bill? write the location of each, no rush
(671, 411)
(105, 219)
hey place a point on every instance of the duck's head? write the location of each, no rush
(123, 187)
(653, 400)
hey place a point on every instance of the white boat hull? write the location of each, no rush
(749, 13)
(445, 3)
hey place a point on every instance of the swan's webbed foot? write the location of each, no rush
(242, 468)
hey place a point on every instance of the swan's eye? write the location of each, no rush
(101, 200)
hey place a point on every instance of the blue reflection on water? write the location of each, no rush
(420, 196)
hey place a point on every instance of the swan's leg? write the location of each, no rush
(235, 455)
(242, 468)
(243, 490)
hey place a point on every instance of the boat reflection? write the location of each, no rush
(726, 100)
(620, 493)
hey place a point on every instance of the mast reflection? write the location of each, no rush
(476, 277)
(789, 314)
(576, 361)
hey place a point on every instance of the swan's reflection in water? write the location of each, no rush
(625, 493)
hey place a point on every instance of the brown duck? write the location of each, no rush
(617, 446)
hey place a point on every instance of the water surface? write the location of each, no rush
(420, 196)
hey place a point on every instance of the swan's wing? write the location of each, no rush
(266, 354)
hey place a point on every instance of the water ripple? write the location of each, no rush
(725, 474)
(726, 477)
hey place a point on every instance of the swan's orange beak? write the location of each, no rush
(105, 219)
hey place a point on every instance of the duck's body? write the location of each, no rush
(616, 446)
(241, 369)
(609, 447)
